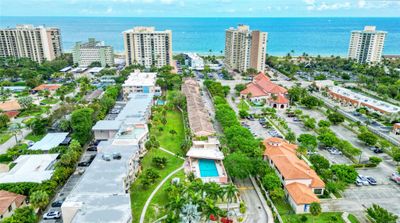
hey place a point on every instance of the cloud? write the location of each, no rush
(312, 5)
(109, 10)
(167, 2)
(361, 3)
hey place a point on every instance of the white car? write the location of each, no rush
(395, 177)
(52, 215)
(362, 179)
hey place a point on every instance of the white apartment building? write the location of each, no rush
(148, 47)
(93, 51)
(102, 193)
(139, 82)
(245, 48)
(37, 43)
(194, 61)
(366, 46)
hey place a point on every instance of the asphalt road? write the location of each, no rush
(255, 212)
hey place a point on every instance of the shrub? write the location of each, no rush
(375, 160)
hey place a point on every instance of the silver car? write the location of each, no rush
(362, 179)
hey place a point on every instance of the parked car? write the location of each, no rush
(57, 203)
(363, 179)
(262, 120)
(378, 150)
(52, 215)
(30, 143)
(359, 182)
(91, 158)
(116, 156)
(395, 177)
(92, 148)
(106, 157)
(84, 163)
(296, 120)
(371, 180)
(334, 151)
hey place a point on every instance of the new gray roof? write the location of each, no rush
(50, 141)
(107, 125)
(100, 192)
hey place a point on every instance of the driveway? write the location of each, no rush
(255, 212)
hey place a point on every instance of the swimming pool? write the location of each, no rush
(207, 168)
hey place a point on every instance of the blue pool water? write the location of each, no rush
(208, 168)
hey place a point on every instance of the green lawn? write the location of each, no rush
(34, 111)
(353, 218)
(49, 101)
(243, 105)
(138, 195)
(166, 139)
(156, 208)
(33, 137)
(288, 215)
(4, 137)
(169, 142)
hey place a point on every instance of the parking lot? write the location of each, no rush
(356, 199)
(67, 188)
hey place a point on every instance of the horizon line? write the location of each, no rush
(254, 17)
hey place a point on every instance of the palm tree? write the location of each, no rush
(209, 208)
(214, 191)
(230, 193)
(175, 204)
(15, 128)
(39, 199)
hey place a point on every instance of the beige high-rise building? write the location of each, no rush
(148, 47)
(245, 48)
(366, 46)
(37, 43)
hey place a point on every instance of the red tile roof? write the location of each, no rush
(7, 198)
(284, 157)
(301, 194)
(280, 99)
(12, 114)
(49, 87)
(263, 86)
(12, 105)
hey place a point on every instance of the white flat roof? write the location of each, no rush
(50, 141)
(202, 153)
(95, 69)
(30, 168)
(107, 125)
(389, 108)
(99, 196)
(138, 78)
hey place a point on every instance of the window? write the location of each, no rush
(317, 191)
(10, 208)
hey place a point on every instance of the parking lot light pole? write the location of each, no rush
(359, 159)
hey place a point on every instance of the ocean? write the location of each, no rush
(315, 36)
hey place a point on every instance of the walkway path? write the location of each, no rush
(11, 142)
(167, 151)
(146, 205)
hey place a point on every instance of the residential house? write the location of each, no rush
(10, 108)
(301, 183)
(9, 202)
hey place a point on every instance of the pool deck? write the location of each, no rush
(192, 165)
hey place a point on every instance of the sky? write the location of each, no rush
(202, 8)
